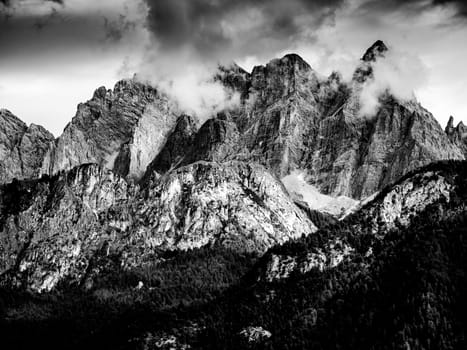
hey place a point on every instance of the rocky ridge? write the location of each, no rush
(121, 129)
(315, 126)
(22, 148)
(54, 229)
(395, 207)
(291, 120)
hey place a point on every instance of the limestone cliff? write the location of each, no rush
(291, 120)
(22, 148)
(66, 228)
(294, 120)
(122, 129)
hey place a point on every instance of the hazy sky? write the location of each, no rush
(54, 53)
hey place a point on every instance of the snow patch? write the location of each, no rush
(298, 187)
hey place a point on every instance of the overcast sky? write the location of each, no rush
(54, 53)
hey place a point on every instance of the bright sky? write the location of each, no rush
(53, 54)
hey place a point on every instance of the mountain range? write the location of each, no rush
(289, 220)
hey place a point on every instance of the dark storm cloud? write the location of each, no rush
(211, 27)
(417, 6)
(460, 5)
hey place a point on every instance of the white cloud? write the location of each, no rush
(188, 81)
(398, 73)
(430, 34)
(72, 71)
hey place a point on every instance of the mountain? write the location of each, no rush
(290, 220)
(290, 119)
(299, 122)
(133, 174)
(122, 129)
(22, 148)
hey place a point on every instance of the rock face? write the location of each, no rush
(293, 120)
(50, 228)
(218, 139)
(123, 129)
(458, 134)
(178, 143)
(22, 148)
(242, 205)
(54, 229)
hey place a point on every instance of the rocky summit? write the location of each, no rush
(143, 226)
(122, 129)
(22, 148)
(457, 134)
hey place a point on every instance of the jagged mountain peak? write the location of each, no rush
(378, 49)
(460, 128)
(289, 119)
(233, 76)
(121, 129)
(8, 117)
(450, 124)
(131, 86)
(231, 67)
(457, 134)
(22, 148)
(451, 121)
(292, 60)
(364, 70)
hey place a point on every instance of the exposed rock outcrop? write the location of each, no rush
(457, 134)
(51, 228)
(396, 206)
(242, 205)
(123, 129)
(22, 148)
(55, 229)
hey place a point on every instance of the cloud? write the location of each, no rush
(414, 7)
(178, 43)
(219, 29)
(187, 82)
(398, 73)
(191, 37)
